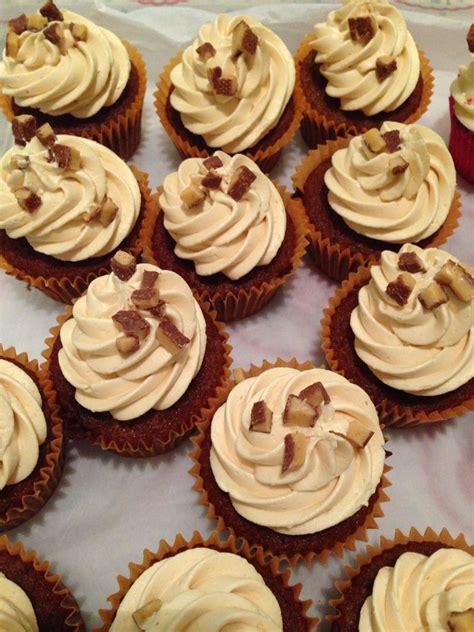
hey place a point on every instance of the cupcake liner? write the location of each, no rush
(128, 444)
(41, 586)
(355, 527)
(461, 145)
(330, 256)
(391, 411)
(294, 611)
(46, 475)
(317, 129)
(240, 302)
(444, 539)
(121, 130)
(266, 158)
(66, 289)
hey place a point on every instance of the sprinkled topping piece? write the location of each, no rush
(127, 344)
(18, 25)
(170, 337)
(66, 157)
(51, 11)
(244, 40)
(45, 134)
(131, 322)
(145, 297)
(433, 296)
(457, 279)
(392, 140)
(410, 262)
(299, 412)
(123, 265)
(374, 140)
(213, 162)
(79, 32)
(397, 165)
(315, 394)
(240, 183)
(206, 51)
(211, 180)
(261, 418)
(385, 65)
(23, 128)
(27, 199)
(295, 451)
(222, 85)
(36, 22)
(400, 289)
(192, 196)
(361, 28)
(12, 45)
(357, 434)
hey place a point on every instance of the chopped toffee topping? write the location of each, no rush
(299, 412)
(159, 311)
(36, 22)
(53, 34)
(260, 418)
(18, 161)
(149, 278)
(127, 344)
(18, 25)
(374, 140)
(361, 28)
(45, 134)
(295, 451)
(212, 180)
(91, 214)
(222, 85)
(461, 621)
(192, 196)
(12, 45)
(457, 279)
(170, 337)
(27, 199)
(385, 65)
(123, 265)
(397, 165)
(51, 11)
(392, 140)
(400, 289)
(213, 162)
(240, 183)
(206, 51)
(108, 211)
(433, 296)
(66, 157)
(357, 434)
(79, 32)
(315, 394)
(23, 128)
(244, 40)
(410, 262)
(132, 323)
(145, 297)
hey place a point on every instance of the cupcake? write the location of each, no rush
(232, 89)
(206, 584)
(228, 230)
(375, 192)
(403, 331)
(31, 446)
(31, 597)
(293, 461)
(461, 106)
(76, 76)
(137, 362)
(419, 582)
(358, 69)
(66, 205)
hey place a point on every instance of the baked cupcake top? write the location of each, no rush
(224, 214)
(69, 197)
(22, 426)
(135, 341)
(297, 451)
(414, 325)
(61, 63)
(421, 593)
(233, 82)
(16, 610)
(394, 185)
(367, 55)
(462, 88)
(199, 588)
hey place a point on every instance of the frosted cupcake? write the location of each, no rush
(375, 192)
(75, 75)
(137, 363)
(232, 89)
(461, 105)
(226, 228)
(403, 330)
(66, 204)
(293, 461)
(358, 69)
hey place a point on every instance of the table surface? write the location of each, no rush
(106, 509)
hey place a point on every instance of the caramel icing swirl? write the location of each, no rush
(264, 86)
(87, 76)
(22, 425)
(224, 235)
(396, 208)
(16, 609)
(128, 386)
(419, 593)
(334, 481)
(58, 227)
(413, 349)
(349, 66)
(201, 589)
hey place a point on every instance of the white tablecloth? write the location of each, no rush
(107, 509)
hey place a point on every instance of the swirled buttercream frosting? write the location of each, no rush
(397, 196)
(72, 76)
(64, 226)
(326, 483)
(223, 234)
(353, 42)
(16, 610)
(201, 589)
(462, 91)
(22, 426)
(129, 382)
(419, 350)
(420, 593)
(234, 115)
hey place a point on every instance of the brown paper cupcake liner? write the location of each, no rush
(393, 406)
(369, 564)
(294, 611)
(30, 495)
(240, 302)
(290, 549)
(265, 157)
(55, 608)
(66, 289)
(317, 129)
(121, 130)
(337, 260)
(127, 443)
